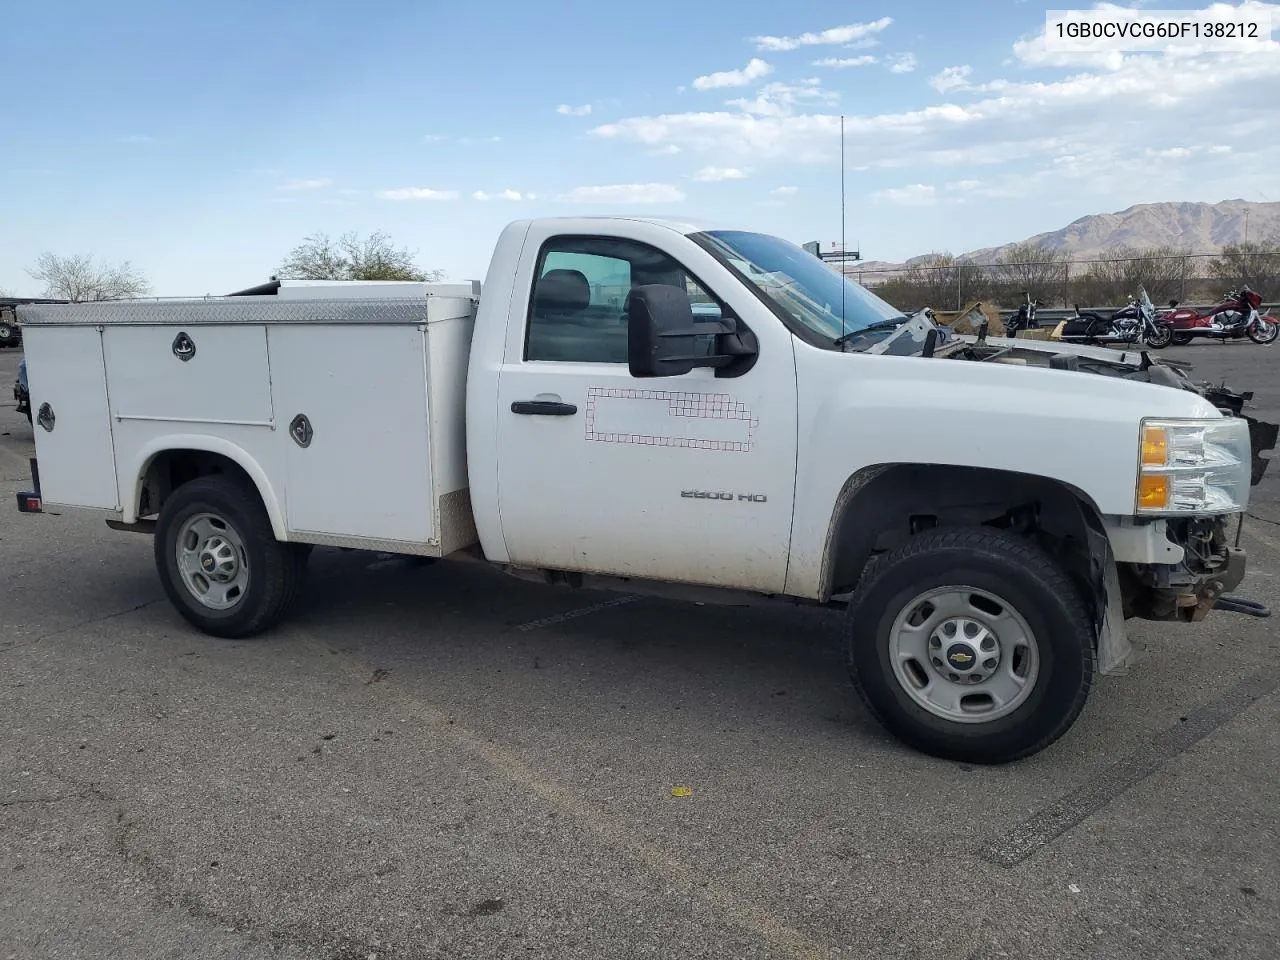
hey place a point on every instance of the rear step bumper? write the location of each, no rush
(29, 501)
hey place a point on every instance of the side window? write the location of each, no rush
(577, 311)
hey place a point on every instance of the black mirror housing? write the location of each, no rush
(660, 331)
(662, 336)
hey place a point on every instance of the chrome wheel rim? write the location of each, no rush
(964, 654)
(212, 561)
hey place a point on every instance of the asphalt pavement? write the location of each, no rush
(443, 762)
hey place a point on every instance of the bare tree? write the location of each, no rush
(1030, 268)
(350, 258)
(78, 279)
(1255, 264)
(1162, 271)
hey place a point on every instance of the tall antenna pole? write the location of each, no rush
(843, 279)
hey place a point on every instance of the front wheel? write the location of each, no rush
(8, 334)
(1160, 337)
(1264, 331)
(971, 644)
(219, 562)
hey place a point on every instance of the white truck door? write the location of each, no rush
(687, 478)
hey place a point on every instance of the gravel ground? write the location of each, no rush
(443, 762)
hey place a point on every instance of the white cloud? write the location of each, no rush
(418, 193)
(842, 63)
(785, 191)
(569, 111)
(504, 195)
(850, 33)
(716, 174)
(964, 185)
(951, 78)
(902, 63)
(316, 184)
(915, 195)
(1173, 153)
(781, 99)
(754, 70)
(670, 150)
(625, 193)
(1026, 121)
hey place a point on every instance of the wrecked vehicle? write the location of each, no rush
(656, 406)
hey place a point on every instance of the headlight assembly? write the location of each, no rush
(1190, 467)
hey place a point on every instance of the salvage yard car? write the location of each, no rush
(645, 404)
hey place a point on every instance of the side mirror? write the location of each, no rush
(662, 334)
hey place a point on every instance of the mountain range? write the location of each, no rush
(1193, 227)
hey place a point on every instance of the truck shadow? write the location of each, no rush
(440, 625)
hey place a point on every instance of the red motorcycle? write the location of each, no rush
(1235, 317)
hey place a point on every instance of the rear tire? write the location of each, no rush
(219, 562)
(1007, 624)
(8, 335)
(1182, 339)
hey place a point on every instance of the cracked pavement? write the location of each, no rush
(441, 762)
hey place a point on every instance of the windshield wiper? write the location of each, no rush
(891, 324)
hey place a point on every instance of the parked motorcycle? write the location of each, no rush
(1235, 317)
(1135, 323)
(1025, 318)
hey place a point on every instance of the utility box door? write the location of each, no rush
(66, 370)
(365, 468)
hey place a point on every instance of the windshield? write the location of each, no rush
(799, 284)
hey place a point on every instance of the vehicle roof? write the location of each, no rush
(683, 225)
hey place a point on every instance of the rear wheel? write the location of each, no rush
(8, 334)
(219, 562)
(971, 644)
(1182, 339)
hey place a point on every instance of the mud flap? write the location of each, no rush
(1114, 649)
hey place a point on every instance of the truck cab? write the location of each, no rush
(671, 406)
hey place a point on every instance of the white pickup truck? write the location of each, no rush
(654, 405)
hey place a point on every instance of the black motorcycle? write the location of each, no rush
(1135, 323)
(1025, 318)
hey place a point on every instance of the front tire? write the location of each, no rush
(1160, 337)
(1267, 332)
(219, 562)
(971, 644)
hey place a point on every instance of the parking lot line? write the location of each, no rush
(1077, 806)
(573, 614)
(732, 908)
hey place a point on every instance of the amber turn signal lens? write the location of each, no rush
(1153, 492)
(1155, 447)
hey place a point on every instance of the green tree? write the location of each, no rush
(351, 258)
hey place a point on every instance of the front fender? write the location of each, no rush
(136, 472)
(857, 411)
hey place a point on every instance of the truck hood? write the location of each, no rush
(912, 338)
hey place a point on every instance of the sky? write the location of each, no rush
(201, 142)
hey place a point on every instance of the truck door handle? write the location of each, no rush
(544, 408)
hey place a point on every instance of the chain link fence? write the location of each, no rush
(944, 282)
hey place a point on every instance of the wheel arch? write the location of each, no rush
(883, 505)
(165, 462)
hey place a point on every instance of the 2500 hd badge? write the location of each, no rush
(723, 495)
